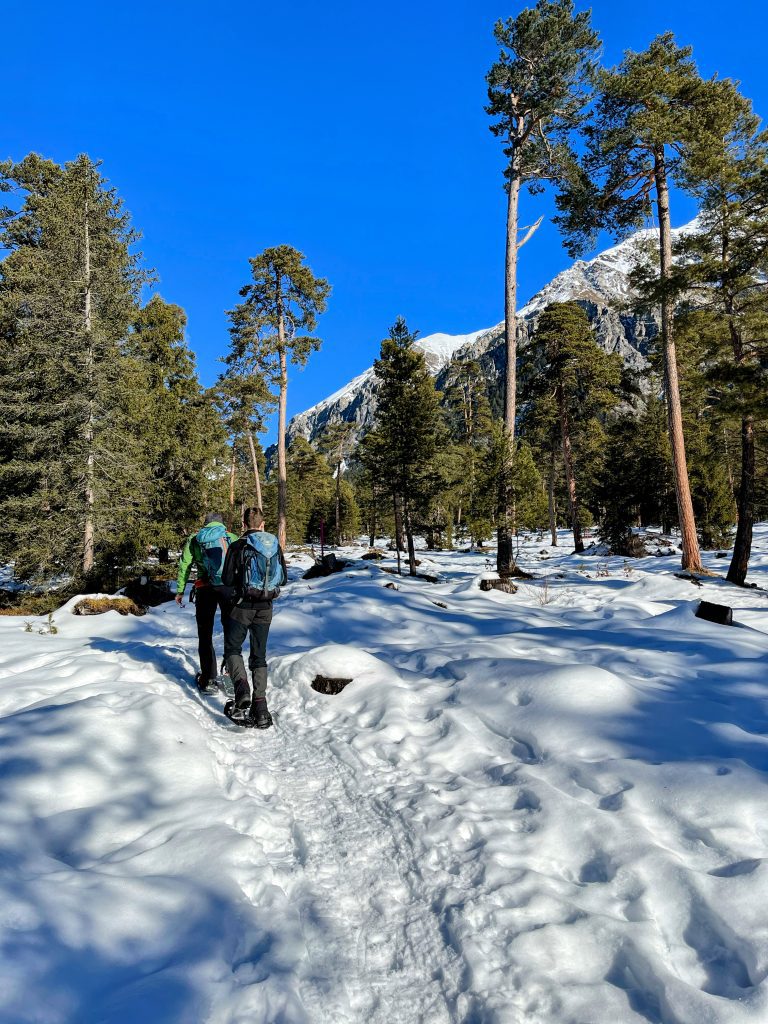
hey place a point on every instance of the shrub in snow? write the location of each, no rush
(99, 605)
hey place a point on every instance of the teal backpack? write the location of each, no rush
(263, 573)
(213, 543)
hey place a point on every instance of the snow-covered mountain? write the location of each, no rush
(600, 284)
(356, 401)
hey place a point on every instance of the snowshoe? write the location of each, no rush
(239, 715)
(225, 684)
(260, 714)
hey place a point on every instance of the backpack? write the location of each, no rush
(263, 573)
(213, 542)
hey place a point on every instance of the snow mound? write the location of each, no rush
(544, 807)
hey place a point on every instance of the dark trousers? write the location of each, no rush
(253, 622)
(206, 603)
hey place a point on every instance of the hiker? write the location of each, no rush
(255, 570)
(207, 550)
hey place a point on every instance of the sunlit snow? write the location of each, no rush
(544, 808)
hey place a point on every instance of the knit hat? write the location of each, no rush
(213, 517)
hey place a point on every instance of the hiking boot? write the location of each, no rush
(205, 686)
(260, 713)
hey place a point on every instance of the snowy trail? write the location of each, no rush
(343, 862)
(520, 812)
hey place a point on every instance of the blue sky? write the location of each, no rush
(354, 132)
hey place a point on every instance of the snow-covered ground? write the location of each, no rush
(546, 808)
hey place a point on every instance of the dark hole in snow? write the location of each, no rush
(329, 685)
(719, 613)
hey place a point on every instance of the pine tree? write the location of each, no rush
(723, 267)
(407, 423)
(372, 493)
(72, 481)
(283, 299)
(537, 92)
(652, 110)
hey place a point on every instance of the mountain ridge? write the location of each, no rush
(601, 284)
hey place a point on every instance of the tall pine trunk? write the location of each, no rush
(282, 405)
(745, 502)
(255, 463)
(551, 497)
(89, 490)
(570, 477)
(338, 501)
(504, 558)
(742, 546)
(409, 539)
(398, 529)
(373, 511)
(691, 560)
(232, 482)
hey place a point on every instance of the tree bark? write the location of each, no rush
(570, 478)
(282, 405)
(510, 308)
(691, 560)
(409, 539)
(255, 463)
(745, 502)
(398, 531)
(373, 512)
(232, 481)
(88, 530)
(338, 500)
(742, 546)
(551, 497)
(504, 558)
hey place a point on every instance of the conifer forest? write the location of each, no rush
(353, 672)
(112, 446)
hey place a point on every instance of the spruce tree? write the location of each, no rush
(637, 483)
(537, 92)
(73, 484)
(372, 492)
(283, 299)
(407, 423)
(183, 437)
(576, 382)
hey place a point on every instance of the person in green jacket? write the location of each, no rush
(207, 550)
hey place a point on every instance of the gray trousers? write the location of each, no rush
(253, 623)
